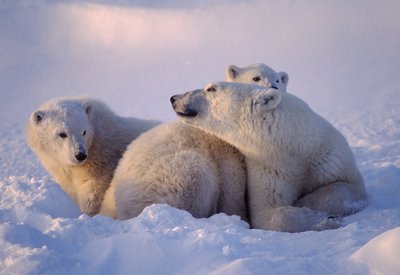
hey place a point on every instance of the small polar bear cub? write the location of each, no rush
(80, 141)
(301, 172)
(259, 74)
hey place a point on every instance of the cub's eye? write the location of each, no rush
(84, 133)
(257, 78)
(211, 89)
(62, 135)
(277, 81)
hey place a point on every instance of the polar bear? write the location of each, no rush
(80, 141)
(302, 174)
(182, 166)
(259, 74)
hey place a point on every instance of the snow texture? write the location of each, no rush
(341, 56)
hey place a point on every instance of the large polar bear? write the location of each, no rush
(301, 172)
(185, 167)
(80, 141)
(259, 74)
(182, 166)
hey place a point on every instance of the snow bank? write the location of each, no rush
(381, 254)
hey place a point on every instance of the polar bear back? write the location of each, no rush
(184, 167)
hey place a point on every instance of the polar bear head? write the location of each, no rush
(246, 116)
(61, 130)
(259, 74)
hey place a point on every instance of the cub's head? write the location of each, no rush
(259, 74)
(61, 130)
(237, 113)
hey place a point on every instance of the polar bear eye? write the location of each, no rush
(84, 133)
(62, 135)
(277, 81)
(257, 78)
(211, 89)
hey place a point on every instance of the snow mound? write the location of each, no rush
(381, 254)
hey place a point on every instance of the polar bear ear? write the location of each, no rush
(284, 78)
(269, 100)
(88, 108)
(37, 117)
(232, 72)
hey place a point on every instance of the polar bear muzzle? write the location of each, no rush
(81, 156)
(184, 105)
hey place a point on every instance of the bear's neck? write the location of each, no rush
(258, 150)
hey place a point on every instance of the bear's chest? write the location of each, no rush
(72, 180)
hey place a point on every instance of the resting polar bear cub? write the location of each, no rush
(259, 74)
(301, 170)
(182, 166)
(79, 142)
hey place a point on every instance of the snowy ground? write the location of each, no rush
(342, 58)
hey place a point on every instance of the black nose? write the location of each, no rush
(81, 156)
(172, 99)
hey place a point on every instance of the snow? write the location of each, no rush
(381, 254)
(341, 57)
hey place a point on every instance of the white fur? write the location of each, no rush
(301, 171)
(259, 74)
(87, 127)
(182, 166)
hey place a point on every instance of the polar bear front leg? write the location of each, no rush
(232, 199)
(341, 189)
(338, 198)
(90, 197)
(296, 219)
(291, 219)
(271, 207)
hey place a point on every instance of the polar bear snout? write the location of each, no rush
(173, 99)
(180, 107)
(81, 156)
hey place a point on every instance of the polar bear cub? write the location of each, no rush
(302, 174)
(182, 166)
(259, 74)
(80, 141)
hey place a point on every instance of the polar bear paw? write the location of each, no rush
(330, 222)
(90, 204)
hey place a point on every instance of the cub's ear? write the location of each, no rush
(284, 78)
(232, 72)
(37, 117)
(88, 108)
(268, 99)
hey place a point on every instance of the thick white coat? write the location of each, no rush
(80, 141)
(301, 172)
(182, 166)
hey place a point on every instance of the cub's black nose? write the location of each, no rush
(172, 99)
(81, 156)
